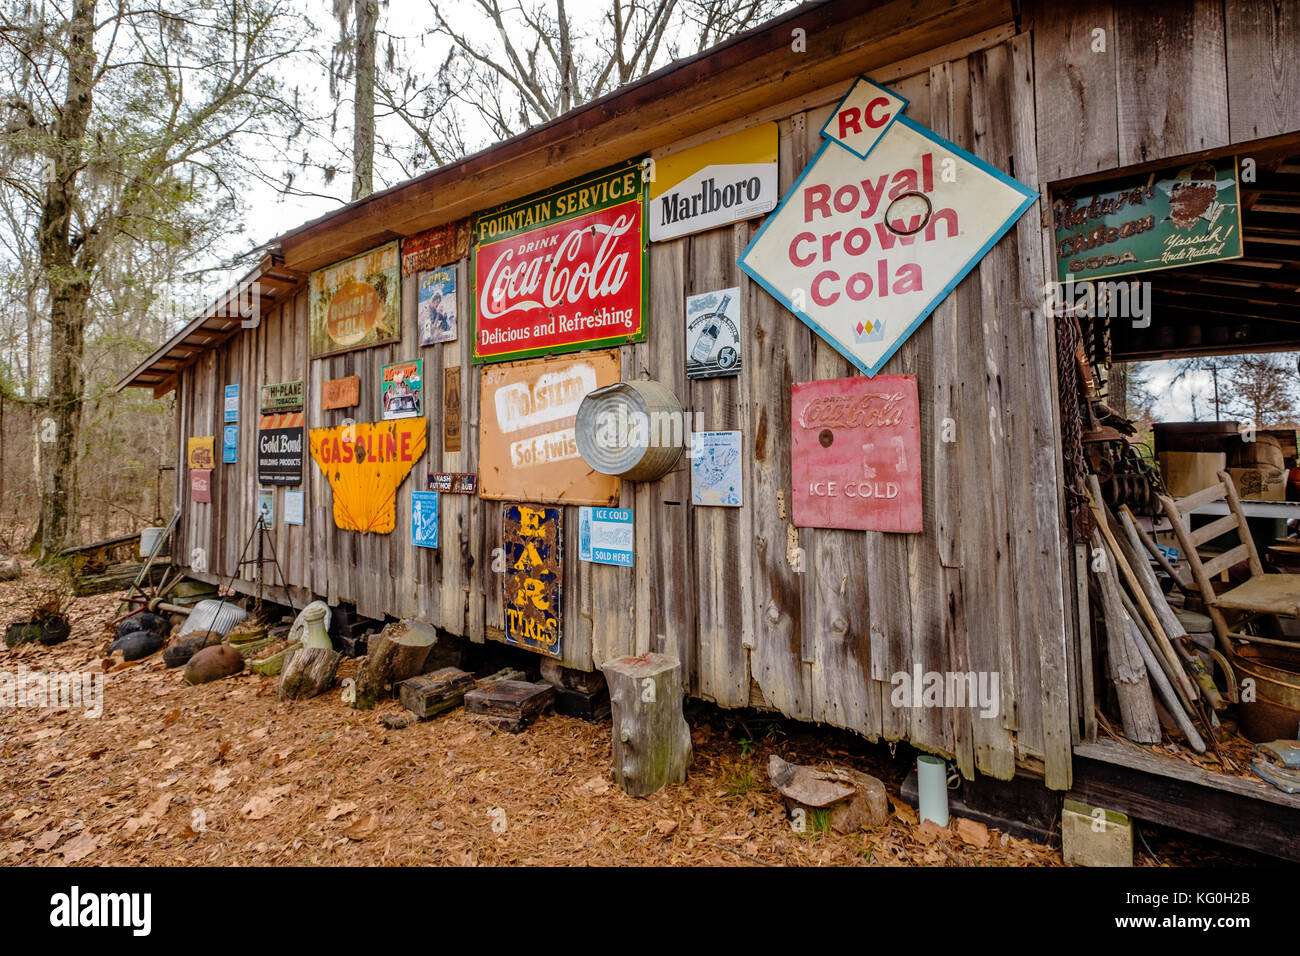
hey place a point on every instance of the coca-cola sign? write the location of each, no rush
(563, 270)
(855, 454)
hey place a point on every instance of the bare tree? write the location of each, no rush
(1261, 388)
(131, 131)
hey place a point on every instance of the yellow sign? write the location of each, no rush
(365, 464)
(722, 181)
(201, 452)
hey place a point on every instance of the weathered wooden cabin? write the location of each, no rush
(809, 622)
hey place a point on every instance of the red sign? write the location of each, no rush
(856, 454)
(562, 271)
(201, 484)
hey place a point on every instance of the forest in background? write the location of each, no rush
(134, 137)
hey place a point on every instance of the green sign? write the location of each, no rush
(1181, 216)
(282, 397)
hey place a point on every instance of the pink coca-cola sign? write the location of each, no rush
(856, 454)
(561, 271)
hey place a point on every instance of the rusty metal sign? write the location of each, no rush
(365, 464)
(528, 448)
(534, 539)
(435, 247)
(451, 409)
(283, 396)
(201, 452)
(453, 482)
(341, 392)
(201, 484)
(856, 454)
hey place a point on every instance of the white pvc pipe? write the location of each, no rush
(932, 788)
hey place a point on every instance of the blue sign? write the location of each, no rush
(230, 444)
(232, 404)
(424, 519)
(605, 536)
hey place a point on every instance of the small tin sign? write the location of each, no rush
(605, 536)
(232, 403)
(453, 482)
(266, 506)
(424, 519)
(282, 397)
(856, 454)
(230, 444)
(451, 409)
(293, 506)
(534, 538)
(713, 334)
(201, 484)
(401, 390)
(716, 469)
(341, 392)
(200, 452)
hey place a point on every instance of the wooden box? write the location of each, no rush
(431, 694)
(592, 707)
(512, 704)
(1259, 484)
(1187, 472)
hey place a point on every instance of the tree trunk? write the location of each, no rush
(366, 13)
(307, 671)
(399, 652)
(652, 743)
(67, 279)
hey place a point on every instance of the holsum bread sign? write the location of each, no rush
(885, 220)
(563, 270)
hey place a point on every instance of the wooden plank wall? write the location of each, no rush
(813, 623)
(1175, 77)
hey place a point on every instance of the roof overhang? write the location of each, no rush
(267, 285)
(752, 70)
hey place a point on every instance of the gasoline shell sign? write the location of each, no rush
(534, 539)
(723, 181)
(279, 449)
(528, 446)
(364, 465)
(880, 227)
(856, 454)
(1186, 216)
(356, 303)
(563, 270)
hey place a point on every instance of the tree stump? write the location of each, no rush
(307, 671)
(399, 652)
(652, 743)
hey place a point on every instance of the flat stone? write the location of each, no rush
(1093, 836)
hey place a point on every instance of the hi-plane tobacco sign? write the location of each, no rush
(880, 227)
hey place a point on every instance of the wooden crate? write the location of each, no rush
(511, 704)
(431, 694)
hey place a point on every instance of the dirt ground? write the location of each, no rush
(224, 774)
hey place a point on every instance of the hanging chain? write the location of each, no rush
(1068, 395)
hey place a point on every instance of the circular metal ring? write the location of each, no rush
(929, 212)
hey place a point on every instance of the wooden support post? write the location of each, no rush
(652, 743)
(1127, 671)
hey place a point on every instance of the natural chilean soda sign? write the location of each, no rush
(855, 454)
(563, 270)
(880, 227)
(1185, 216)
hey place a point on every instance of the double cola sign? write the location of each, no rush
(563, 270)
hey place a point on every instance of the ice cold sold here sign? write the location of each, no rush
(856, 454)
(878, 229)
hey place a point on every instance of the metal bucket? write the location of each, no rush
(148, 538)
(635, 430)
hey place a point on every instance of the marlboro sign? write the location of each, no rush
(880, 227)
(563, 270)
(855, 454)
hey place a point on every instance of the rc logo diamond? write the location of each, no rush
(883, 223)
